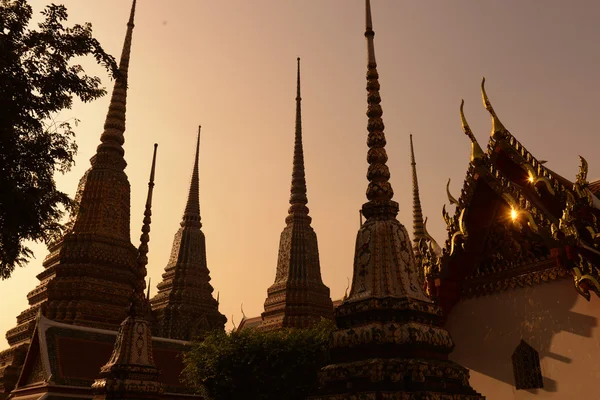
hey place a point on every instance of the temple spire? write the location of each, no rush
(388, 336)
(142, 260)
(298, 199)
(184, 306)
(379, 191)
(298, 298)
(114, 125)
(191, 215)
(418, 227)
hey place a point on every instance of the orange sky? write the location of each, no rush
(230, 66)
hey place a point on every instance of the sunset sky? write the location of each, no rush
(230, 66)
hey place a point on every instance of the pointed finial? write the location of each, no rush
(148, 291)
(132, 14)
(379, 191)
(497, 127)
(418, 228)
(242, 308)
(476, 151)
(346, 292)
(114, 126)
(298, 98)
(298, 199)
(191, 215)
(451, 198)
(145, 237)
(369, 33)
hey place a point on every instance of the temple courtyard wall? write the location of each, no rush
(552, 318)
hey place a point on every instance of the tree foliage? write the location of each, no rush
(38, 79)
(251, 364)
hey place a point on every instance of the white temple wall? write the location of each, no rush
(552, 318)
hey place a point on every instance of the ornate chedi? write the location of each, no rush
(89, 273)
(184, 306)
(298, 298)
(389, 343)
(131, 373)
(516, 223)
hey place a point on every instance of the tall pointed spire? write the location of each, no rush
(142, 260)
(379, 191)
(184, 305)
(298, 199)
(389, 341)
(114, 125)
(191, 215)
(97, 244)
(298, 297)
(396, 277)
(418, 228)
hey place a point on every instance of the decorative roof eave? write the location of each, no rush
(574, 254)
(501, 138)
(458, 232)
(550, 228)
(529, 275)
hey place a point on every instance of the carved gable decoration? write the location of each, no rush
(506, 248)
(526, 367)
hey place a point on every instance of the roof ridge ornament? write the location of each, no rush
(476, 151)
(451, 198)
(498, 129)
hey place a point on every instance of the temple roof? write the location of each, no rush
(63, 360)
(509, 198)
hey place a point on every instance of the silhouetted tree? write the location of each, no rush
(37, 80)
(251, 364)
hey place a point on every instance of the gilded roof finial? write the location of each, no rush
(346, 291)
(148, 291)
(418, 227)
(191, 215)
(298, 199)
(242, 309)
(379, 191)
(451, 198)
(114, 125)
(476, 151)
(497, 127)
